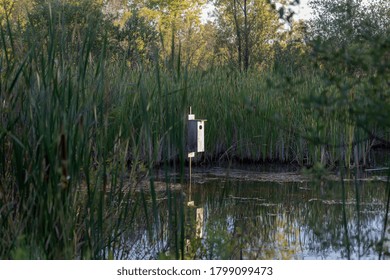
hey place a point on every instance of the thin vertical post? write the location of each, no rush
(190, 160)
(190, 177)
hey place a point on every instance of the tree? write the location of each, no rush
(350, 43)
(72, 22)
(292, 49)
(140, 38)
(176, 22)
(14, 10)
(342, 22)
(247, 29)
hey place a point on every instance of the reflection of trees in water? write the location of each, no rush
(326, 235)
(288, 221)
(262, 221)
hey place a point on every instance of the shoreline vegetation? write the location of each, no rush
(76, 112)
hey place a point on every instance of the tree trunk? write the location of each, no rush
(238, 33)
(246, 37)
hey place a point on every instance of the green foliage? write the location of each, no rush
(178, 23)
(54, 130)
(71, 19)
(140, 38)
(343, 22)
(246, 29)
(350, 44)
(14, 10)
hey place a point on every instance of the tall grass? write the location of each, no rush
(79, 131)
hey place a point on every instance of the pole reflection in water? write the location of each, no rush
(199, 222)
(386, 243)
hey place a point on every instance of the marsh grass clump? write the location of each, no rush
(56, 146)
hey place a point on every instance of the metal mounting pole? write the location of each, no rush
(190, 177)
(190, 162)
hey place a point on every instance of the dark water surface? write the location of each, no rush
(245, 219)
(267, 220)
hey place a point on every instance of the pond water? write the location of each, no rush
(259, 219)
